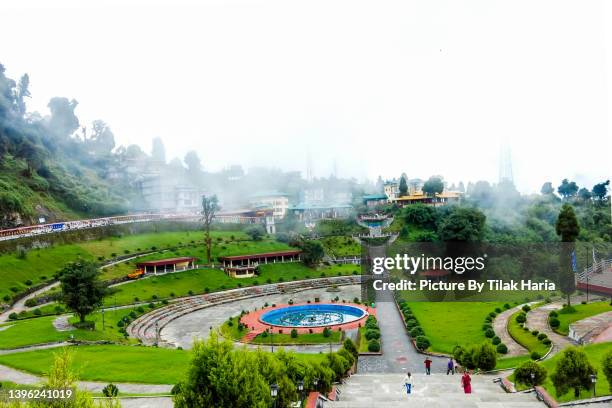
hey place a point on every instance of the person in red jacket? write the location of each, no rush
(466, 383)
(427, 366)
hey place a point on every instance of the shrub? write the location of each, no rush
(372, 334)
(492, 314)
(490, 333)
(326, 332)
(526, 308)
(28, 282)
(495, 340)
(486, 327)
(416, 331)
(542, 336)
(521, 318)
(506, 306)
(13, 316)
(534, 332)
(294, 333)
(422, 343)
(37, 312)
(374, 346)
(527, 370)
(410, 324)
(567, 309)
(110, 391)
(554, 322)
(553, 314)
(30, 302)
(606, 367)
(502, 348)
(350, 347)
(535, 355)
(485, 356)
(546, 342)
(488, 319)
(140, 309)
(6, 298)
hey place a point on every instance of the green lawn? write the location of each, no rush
(510, 362)
(110, 363)
(40, 330)
(363, 342)
(448, 324)
(582, 312)
(337, 246)
(595, 353)
(525, 338)
(41, 264)
(118, 363)
(307, 338)
(198, 281)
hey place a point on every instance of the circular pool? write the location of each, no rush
(312, 315)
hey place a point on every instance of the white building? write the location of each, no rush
(277, 201)
(166, 194)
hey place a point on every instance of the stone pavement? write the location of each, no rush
(399, 354)
(500, 326)
(20, 377)
(429, 391)
(197, 325)
(537, 319)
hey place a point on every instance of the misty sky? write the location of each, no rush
(385, 87)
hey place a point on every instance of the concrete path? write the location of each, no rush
(399, 354)
(20, 306)
(152, 402)
(537, 319)
(197, 325)
(21, 377)
(500, 326)
(35, 347)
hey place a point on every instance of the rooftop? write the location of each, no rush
(262, 255)
(168, 261)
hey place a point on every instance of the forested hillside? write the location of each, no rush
(53, 166)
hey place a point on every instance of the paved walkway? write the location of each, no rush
(20, 377)
(20, 306)
(537, 319)
(399, 354)
(197, 325)
(500, 326)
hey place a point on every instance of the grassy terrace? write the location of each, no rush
(337, 246)
(449, 324)
(595, 353)
(212, 280)
(41, 264)
(525, 338)
(582, 312)
(41, 330)
(117, 363)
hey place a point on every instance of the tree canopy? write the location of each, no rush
(81, 289)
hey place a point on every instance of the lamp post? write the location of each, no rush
(532, 379)
(272, 339)
(274, 393)
(102, 319)
(315, 382)
(594, 382)
(300, 386)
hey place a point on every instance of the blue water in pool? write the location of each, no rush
(312, 315)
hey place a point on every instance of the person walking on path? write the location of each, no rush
(450, 367)
(466, 383)
(427, 366)
(408, 382)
